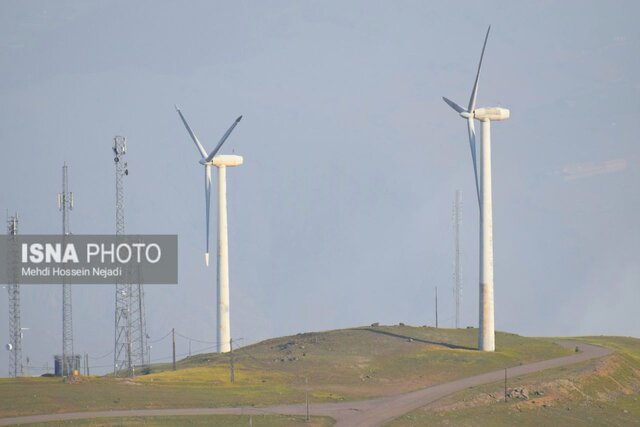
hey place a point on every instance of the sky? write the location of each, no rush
(341, 215)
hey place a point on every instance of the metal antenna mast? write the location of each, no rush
(130, 326)
(15, 331)
(65, 204)
(457, 275)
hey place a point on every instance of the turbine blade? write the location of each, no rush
(207, 202)
(453, 105)
(472, 146)
(223, 139)
(474, 92)
(193, 135)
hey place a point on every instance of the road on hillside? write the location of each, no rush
(362, 413)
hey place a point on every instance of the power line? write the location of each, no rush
(101, 357)
(160, 339)
(195, 339)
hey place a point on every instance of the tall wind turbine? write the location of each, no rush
(486, 336)
(221, 162)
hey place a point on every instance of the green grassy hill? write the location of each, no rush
(601, 392)
(360, 362)
(346, 364)
(343, 364)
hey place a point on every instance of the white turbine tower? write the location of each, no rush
(221, 162)
(486, 337)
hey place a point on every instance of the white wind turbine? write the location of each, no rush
(486, 337)
(221, 162)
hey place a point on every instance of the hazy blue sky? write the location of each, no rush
(341, 214)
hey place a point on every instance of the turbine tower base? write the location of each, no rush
(486, 334)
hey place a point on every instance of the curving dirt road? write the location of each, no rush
(363, 413)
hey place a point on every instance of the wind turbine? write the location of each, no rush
(221, 162)
(486, 335)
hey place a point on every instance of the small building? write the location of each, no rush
(73, 364)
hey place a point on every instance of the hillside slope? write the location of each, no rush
(360, 362)
(603, 392)
(339, 365)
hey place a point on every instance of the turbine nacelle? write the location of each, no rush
(228, 160)
(492, 114)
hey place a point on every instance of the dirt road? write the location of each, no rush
(363, 413)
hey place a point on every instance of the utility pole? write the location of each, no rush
(65, 204)
(436, 306)
(13, 288)
(173, 338)
(505, 385)
(232, 372)
(306, 396)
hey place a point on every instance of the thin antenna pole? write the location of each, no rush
(68, 358)
(231, 365)
(130, 327)
(436, 306)
(13, 288)
(173, 339)
(457, 274)
(122, 336)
